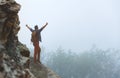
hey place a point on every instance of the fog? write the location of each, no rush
(94, 63)
(73, 24)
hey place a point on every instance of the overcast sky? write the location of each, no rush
(73, 24)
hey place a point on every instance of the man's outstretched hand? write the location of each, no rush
(26, 25)
(46, 24)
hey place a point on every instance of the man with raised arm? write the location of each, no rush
(36, 37)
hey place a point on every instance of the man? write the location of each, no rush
(36, 37)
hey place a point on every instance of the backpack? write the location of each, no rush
(34, 36)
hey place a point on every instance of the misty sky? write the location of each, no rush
(73, 24)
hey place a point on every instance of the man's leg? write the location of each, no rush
(35, 53)
(39, 51)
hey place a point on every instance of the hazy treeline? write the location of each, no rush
(95, 63)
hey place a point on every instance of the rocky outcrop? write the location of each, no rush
(14, 56)
(41, 71)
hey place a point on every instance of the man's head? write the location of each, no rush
(36, 27)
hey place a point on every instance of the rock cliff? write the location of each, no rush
(14, 56)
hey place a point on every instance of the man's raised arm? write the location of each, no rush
(29, 28)
(44, 26)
